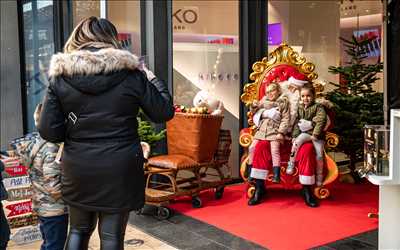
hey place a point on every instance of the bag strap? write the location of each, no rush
(72, 117)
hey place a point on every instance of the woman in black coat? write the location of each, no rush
(91, 105)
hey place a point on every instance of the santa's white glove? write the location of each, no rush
(305, 125)
(150, 75)
(272, 113)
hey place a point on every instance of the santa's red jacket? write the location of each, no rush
(305, 161)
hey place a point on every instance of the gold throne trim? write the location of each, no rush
(284, 54)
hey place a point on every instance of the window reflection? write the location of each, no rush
(125, 15)
(84, 8)
(39, 47)
(206, 57)
(314, 27)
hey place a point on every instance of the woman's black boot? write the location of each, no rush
(308, 196)
(258, 193)
(277, 174)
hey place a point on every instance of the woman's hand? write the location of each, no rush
(150, 75)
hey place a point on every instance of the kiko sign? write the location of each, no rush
(183, 17)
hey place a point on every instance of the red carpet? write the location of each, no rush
(283, 221)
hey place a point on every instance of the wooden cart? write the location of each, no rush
(194, 163)
(165, 184)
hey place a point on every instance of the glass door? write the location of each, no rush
(125, 15)
(206, 58)
(38, 35)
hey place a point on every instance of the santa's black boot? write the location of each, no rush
(308, 196)
(277, 174)
(258, 193)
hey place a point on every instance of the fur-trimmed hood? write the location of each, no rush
(92, 70)
(91, 62)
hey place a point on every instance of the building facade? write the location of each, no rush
(194, 45)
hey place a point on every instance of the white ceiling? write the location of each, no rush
(362, 8)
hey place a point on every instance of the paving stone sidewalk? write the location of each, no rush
(134, 239)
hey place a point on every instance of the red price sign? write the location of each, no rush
(16, 170)
(19, 208)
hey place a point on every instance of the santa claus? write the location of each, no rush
(259, 164)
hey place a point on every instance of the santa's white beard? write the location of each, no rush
(294, 99)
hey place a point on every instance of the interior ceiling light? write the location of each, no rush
(341, 1)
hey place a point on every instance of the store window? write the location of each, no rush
(39, 47)
(313, 28)
(84, 8)
(206, 57)
(125, 15)
(363, 19)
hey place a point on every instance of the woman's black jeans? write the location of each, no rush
(82, 224)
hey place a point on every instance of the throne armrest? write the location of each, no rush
(245, 137)
(332, 140)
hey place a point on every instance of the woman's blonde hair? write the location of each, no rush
(95, 32)
(273, 86)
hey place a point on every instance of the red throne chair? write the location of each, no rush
(281, 64)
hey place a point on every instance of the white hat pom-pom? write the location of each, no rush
(296, 82)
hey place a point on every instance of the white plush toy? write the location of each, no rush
(204, 99)
(146, 149)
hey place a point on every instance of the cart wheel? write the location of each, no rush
(196, 202)
(219, 191)
(163, 213)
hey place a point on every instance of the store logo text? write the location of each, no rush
(184, 17)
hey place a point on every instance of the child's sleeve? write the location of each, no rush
(23, 148)
(52, 172)
(296, 130)
(260, 105)
(320, 120)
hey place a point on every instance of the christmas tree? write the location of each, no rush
(356, 103)
(147, 132)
